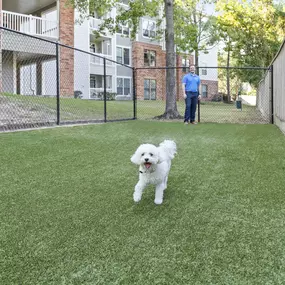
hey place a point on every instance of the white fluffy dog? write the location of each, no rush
(155, 163)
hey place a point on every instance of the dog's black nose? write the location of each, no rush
(146, 159)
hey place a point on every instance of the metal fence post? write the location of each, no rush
(105, 95)
(57, 86)
(272, 95)
(199, 109)
(134, 94)
(199, 112)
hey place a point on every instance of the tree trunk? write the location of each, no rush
(171, 111)
(197, 62)
(228, 78)
(196, 57)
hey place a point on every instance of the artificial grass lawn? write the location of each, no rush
(76, 109)
(67, 215)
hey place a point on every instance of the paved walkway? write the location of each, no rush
(248, 100)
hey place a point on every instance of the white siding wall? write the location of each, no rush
(209, 60)
(49, 78)
(81, 60)
(28, 85)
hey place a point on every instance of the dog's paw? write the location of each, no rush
(158, 201)
(137, 197)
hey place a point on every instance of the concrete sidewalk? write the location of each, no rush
(248, 100)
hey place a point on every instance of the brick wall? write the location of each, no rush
(212, 89)
(157, 74)
(66, 36)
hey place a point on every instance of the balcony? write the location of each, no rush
(95, 22)
(29, 24)
(99, 61)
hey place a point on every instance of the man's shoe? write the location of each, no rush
(186, 122)
(193, 123)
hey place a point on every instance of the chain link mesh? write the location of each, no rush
(228, 95)
(44, 83)
(26, 97)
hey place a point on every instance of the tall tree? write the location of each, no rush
(171, 107)
(259, 31)
(229, 80)
(194, 27)
(226, 35)
(131, 16)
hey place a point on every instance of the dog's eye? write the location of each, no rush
(151, 154)
(142, 154)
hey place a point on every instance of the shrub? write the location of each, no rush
(77, 94)
(217, 97)
(110, 96)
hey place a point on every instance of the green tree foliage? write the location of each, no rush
(252, 31)
(131, 16)
(194, 28)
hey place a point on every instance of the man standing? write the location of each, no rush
(191, 87)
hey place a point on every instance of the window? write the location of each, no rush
(92, 48)
(204, 71)
(97, 81)
(127, 86)
(92, 81)
(123, 30)
(96, 47)
(204, 68)
(123, 86)
(185, 64)
(149, 28)
(149, 58)
(97, 15)
(149, 89)
(123, 55)
(204, 91)
(120, 84)
(119, 55)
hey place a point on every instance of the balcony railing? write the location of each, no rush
(99, 61)
(30, 24)
(100, 89)
(95, 23)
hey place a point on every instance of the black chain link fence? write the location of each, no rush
(45, 83)
(24, 102)
(228, 95)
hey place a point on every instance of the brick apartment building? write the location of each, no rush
(149, 56)
(55, 21)
(52, 20)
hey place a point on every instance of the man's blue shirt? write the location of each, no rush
(192, 82)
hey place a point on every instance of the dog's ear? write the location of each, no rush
(136, 158)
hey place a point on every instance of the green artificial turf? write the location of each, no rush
(67, 214)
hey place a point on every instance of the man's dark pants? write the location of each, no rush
(191, 106)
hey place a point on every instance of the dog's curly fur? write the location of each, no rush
(155, 163)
